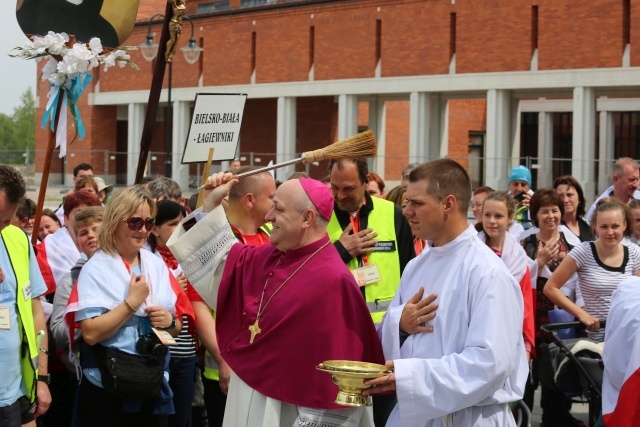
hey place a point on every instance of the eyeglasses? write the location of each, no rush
(135, 223)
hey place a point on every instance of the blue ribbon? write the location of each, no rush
(51, 112)
(73, 94)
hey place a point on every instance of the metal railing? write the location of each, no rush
(113, 165)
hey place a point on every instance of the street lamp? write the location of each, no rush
(191, 51)
(149, 49)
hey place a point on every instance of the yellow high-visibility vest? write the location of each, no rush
(17, 244)
(381, 220)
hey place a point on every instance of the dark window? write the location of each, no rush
(562, 143)
(627, 134)
(249, 3)
(213, 5)
(626, 22)
(312, 43)
(476, 159)
(529, 143)
(452, 35)
(534, 28)
(378, 41)
(253, 51)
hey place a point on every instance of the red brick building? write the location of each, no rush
(492, 83)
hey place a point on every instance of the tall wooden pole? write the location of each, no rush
(48, 156)
(154, 95)
(47, 167)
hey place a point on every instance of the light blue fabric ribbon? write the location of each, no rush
(51, 111)
(73, 94)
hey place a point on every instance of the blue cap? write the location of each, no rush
(520, 173)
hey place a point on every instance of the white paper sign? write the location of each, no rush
(215, 124)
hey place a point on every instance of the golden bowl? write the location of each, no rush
(349, 376)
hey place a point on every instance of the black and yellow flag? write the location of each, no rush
(110, 20)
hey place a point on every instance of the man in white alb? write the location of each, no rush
(464, 362)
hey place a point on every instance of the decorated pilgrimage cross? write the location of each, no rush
(71, 35)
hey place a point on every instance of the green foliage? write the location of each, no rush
(7, 133)
(18, 132)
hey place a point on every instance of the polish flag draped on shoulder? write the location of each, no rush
(516, 260)
(104, 283)
(56, 255)
(621, 357)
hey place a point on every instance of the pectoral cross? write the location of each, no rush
(255, 330)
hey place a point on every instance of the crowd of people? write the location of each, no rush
(139, 308)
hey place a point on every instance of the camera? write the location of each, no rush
(150, 345)
(519, 197)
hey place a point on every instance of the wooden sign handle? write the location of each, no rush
(205, 175)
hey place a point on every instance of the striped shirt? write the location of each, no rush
(598, 281)
(185, 344)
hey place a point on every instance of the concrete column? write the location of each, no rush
(606, 150)
(425, 134)
(181, 121)
(584, 139)
(136, 114)
(498, 144)
(377, 124)
(545, 150)
(347, 116)
(286, 136)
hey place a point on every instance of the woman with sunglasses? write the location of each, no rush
(122, 293)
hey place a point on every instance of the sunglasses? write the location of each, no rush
(135, 223)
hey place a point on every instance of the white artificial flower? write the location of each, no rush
(50, 68)
(109, 60)
(122, 58)
(39, 46)
(76, 62)
(80, 56)
(58, 79)
(55, 42)
(96, 45)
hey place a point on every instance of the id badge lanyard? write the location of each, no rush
(363, 260)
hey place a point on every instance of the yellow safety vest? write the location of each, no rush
(381, 220)
(211, 370)
(17, 244)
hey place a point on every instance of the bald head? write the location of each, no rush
(252, 196)
(250, 184)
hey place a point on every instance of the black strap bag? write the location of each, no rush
(129, 375)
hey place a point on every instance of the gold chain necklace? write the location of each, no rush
(255, 329)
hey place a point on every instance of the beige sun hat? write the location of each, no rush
(102, 185)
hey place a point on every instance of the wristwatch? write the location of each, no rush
(45, 378)
(173, 323)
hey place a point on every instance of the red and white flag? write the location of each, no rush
(104, 283)
(621, 356)
(56, 255)
(516, 260)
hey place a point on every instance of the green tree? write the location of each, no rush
(7, 133)
(24, 117)
(18, 132)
